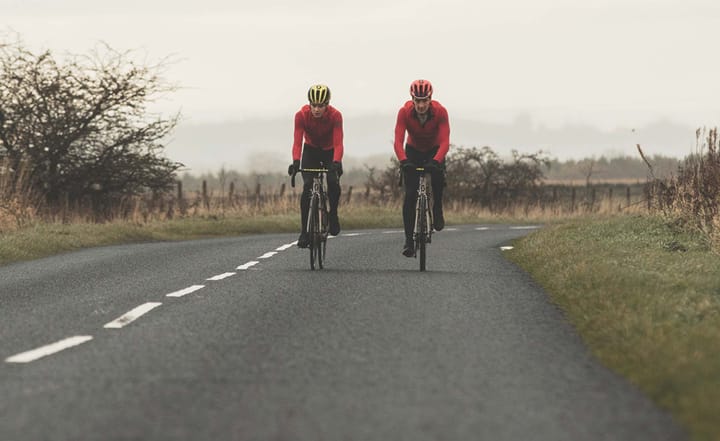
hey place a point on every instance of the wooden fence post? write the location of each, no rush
(572, 201)
(206, 200)
(349, 195)
(181, 201)
(258, 189)
(627, 196)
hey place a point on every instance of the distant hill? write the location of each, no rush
(264, 145)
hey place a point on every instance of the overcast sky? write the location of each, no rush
(607, 63)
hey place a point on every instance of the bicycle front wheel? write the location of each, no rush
(322, 213)
(320, 241)
(422, 231)
(314, 232)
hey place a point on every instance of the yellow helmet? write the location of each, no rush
(319, 94)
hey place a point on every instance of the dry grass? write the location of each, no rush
(692, 197)
(597, 181)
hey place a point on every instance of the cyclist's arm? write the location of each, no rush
(400, 127)
(443, 137)
(298, 137)
(338, 148)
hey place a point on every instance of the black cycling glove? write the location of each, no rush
(337, 168)
(294, 168)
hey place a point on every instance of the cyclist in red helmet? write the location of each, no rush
(428, 141)
(318, 142)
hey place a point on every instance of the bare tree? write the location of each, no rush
(82, 125)
(588, 167)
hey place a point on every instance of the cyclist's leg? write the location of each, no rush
(333, 186)
(411, 181)
(310, 159)
(438, 184)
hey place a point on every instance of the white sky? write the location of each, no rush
(603, 62)
(606, 63)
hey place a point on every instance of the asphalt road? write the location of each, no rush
(236, 339)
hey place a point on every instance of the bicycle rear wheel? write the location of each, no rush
(422, 231)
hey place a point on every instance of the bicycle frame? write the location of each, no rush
(422, 232)
(317, 219)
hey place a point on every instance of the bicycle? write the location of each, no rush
(317, 220)
(422, 231)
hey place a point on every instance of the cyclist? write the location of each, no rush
(428, 141)
(318, 142)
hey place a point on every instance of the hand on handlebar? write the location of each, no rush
(336, 167)
(294, 168)
(407, 166)
(433, 165)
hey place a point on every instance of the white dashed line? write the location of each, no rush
(221, 276)
(506, 248)
(286, 246)
(451, 229)
(528, 227)
(352, 234)
(392, 232)
(268, 255)
(132, 315)
(187, 290)
(27, 357)
(245, 266)
(482, 228)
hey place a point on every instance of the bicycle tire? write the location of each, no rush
(422, 231)
(319, 237)
(314, 232)
(323, 233)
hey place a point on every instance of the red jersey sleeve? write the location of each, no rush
(443, 137)
(298, 136)
(400, 127)
(338, 138)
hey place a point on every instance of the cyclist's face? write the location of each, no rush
(421, 105)
(318, 110)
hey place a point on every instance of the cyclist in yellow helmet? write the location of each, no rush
(318, 142)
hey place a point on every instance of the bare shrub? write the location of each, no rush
(693, 195)
(19, 201)
(81, 125)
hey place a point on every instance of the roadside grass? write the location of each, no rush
(40, 239)
(645, 298)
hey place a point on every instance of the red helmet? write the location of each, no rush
(421, 89)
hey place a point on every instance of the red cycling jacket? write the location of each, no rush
(423, 137)
(324, 133)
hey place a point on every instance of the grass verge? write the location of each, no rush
(44, 239)
(646, 300)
